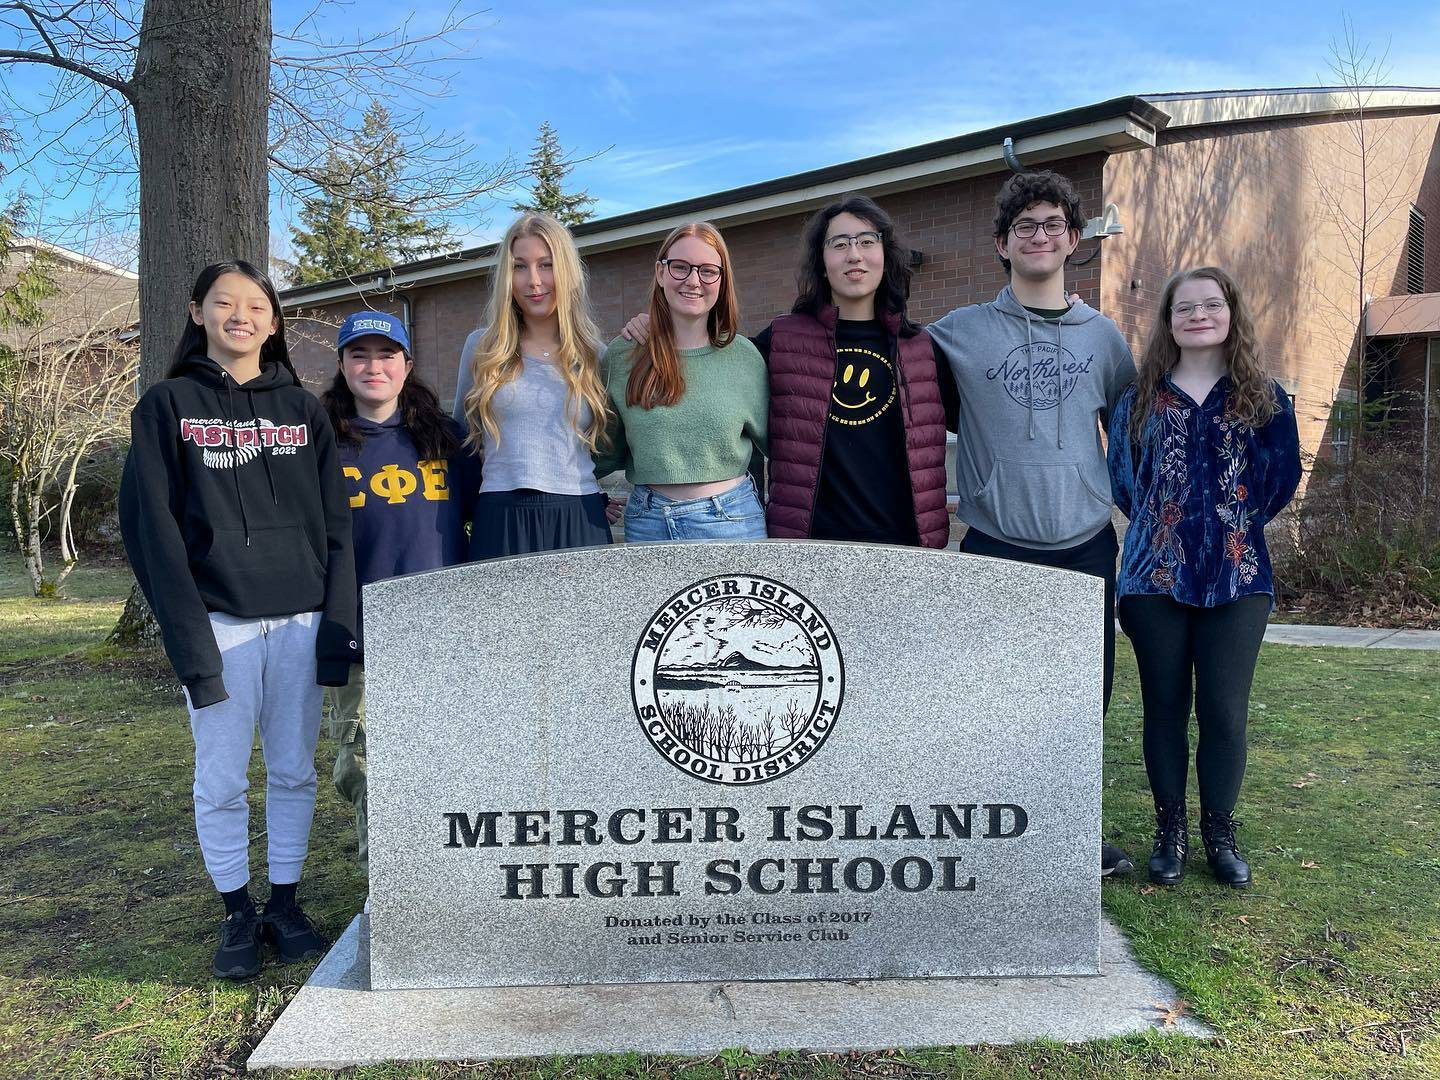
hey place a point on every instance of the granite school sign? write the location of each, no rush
(753, 761)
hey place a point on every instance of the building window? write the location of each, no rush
(1343, 416)
(1415, 252)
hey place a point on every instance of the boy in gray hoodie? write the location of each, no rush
(1038, 379)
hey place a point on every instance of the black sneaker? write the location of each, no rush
(292, 934)
(238, 956)
(1113, 861)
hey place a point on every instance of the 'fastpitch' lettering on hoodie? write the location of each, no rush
(233, 501)
(241, 440)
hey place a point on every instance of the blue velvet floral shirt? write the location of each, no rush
(1198, 494)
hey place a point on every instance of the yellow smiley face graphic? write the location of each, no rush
(843, 385)
(864, 387)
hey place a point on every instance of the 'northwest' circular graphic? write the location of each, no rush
(737, 679)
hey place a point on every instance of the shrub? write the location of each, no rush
(1362, 543)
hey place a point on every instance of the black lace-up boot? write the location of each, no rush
(1172, 844)
(1217, 828)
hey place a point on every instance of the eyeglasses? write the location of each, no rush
(679, 269)
(1052, 226)
(865, 241)
(1212, 306)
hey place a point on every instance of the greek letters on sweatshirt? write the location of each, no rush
(408, 515)
(232, 500)
(1034, 393)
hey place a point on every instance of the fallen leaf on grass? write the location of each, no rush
(127, 1001)
(1147, 890)
(1244, 919)
(1170, 1013)
(1308, 865)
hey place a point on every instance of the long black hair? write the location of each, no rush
(431, 429)
(813, 286)
(192, 339)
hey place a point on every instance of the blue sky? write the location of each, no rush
(696, 98)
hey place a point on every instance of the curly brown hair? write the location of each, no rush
(1252, 393)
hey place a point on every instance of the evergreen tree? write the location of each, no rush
(22, 289)
(549, 168)
(396, 232)
(360, 218)
(328, 241)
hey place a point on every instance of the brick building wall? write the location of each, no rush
(1251, 197)
(950, 223)
(1256, 199)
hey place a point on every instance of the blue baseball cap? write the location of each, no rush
(364, 323)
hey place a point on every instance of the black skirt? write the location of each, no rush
(525, 521)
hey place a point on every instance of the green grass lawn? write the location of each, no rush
(1329, 967)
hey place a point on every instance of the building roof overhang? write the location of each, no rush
(1406, 315)
(1115, 126)
(1209, 107)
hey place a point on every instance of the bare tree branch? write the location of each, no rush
(25, 57)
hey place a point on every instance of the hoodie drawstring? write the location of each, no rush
(1030, 373)
(1059, 387)
(1059, 379)
(235, 470)
(264, 457)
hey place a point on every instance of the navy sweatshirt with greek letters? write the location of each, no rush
(407, 514)
(232, 501)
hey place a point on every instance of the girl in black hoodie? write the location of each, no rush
(235, 518)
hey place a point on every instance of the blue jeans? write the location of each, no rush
(732, 515)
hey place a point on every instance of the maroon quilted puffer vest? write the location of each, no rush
(802, 373)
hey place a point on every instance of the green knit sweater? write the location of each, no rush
(708, 435)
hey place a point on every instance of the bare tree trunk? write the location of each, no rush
(137, 626)
(69, 556)
(15, 523)
(201, 116)
(34, 558)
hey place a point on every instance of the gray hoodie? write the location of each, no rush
(1029, 462)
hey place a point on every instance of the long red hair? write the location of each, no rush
(656, 377)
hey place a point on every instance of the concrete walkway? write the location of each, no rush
(1353, 637)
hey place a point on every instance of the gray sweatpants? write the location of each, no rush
(269, 670)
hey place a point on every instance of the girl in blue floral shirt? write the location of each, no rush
(1203, 452)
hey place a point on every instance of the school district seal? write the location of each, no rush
(737, 679)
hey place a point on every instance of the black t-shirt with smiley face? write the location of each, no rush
(864, 491)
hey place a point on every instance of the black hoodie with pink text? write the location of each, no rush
(233, 501)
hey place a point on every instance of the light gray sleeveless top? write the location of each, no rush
(539, 447)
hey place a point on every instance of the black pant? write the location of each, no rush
(1220, 646)
(1095, 556)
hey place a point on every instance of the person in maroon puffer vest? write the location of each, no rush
(858, 406)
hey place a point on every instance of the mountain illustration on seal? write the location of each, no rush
(737, 680)
(736, 634)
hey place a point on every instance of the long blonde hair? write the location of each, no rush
(1252, 393)
(497, 356)
(656, 377)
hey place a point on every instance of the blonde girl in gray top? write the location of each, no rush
(531, 397)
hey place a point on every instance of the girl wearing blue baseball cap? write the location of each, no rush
(412, 489)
